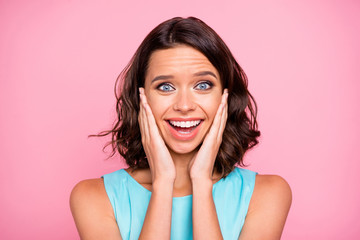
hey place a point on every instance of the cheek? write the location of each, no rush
(210, 106)
(211, 110)
(157, 107)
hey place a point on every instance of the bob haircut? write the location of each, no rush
(240, 133)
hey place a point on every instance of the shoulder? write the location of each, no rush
(90, 195)
(91, 189)
(268, 209)
(270, 190)
(92, 210)
(87, 184)
(268, 185)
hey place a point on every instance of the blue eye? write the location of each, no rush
(165, 87)
(204, 85)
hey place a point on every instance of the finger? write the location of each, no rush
(223, 113)
(144, 119)
(140, 118)
(145, 135)
(223, 119)
(141, 121)
(152, 126)
(217, 120)
(145, 103)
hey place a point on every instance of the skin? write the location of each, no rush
(178, 167)
(185, 96)
(185, 92)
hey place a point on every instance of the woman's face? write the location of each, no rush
(184, 91)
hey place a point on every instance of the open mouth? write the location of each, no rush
(184, 126)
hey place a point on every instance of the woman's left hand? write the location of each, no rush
(202, 164)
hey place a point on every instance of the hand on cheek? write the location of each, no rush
(201, 166)
(161, 164)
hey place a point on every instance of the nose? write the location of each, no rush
(184, 102)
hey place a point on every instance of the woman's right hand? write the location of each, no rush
(161, 164)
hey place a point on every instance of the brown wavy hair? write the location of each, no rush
(240, 133)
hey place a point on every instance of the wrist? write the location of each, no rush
(203, 178)
(163, 184)
(202, 188)
(202, 182)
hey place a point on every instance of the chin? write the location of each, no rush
(183, 148)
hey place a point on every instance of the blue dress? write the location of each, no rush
(130, 200)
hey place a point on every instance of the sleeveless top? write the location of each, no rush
(130, 200)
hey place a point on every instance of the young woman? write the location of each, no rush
(185, 118)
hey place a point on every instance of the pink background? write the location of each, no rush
(59, 61)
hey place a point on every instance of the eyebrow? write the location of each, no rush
(198, 74)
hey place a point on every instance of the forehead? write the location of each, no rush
(180, 59)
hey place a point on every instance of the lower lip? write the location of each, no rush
(184, 135)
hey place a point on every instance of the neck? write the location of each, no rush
(181, 162)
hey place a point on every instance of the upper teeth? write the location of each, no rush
(185, 124)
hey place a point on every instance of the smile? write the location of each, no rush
(185, 124)
(184, 130)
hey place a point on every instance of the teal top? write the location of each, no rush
(130, 200)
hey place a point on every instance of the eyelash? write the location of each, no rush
(206, 82)
(210, 84)
(163, 84)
